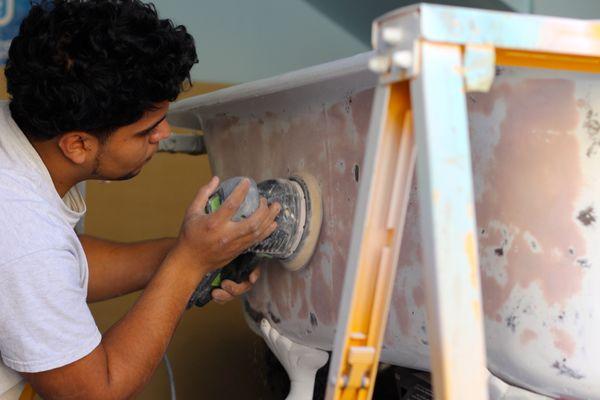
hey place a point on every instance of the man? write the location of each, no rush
(90, 84)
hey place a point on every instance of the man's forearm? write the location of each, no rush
(136, 344)
(130, 350)
(120, 268)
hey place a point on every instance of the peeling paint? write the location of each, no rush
(541, 116)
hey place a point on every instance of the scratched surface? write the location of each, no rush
(535, 141)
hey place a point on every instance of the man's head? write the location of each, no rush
(97, 76)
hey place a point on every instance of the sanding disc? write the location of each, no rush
(312, 221)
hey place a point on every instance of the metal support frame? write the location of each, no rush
(437, 98)
(427, 58)
(448, 229)
(183, 143)
(375, 245)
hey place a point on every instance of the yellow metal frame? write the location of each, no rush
(380, 246)
(530, 59)
(28, 393)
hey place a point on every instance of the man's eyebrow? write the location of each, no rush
(152, 127)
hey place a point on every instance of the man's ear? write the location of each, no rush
(79, 147)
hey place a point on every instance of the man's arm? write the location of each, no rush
(117, 269)
(120, 268)
(130, 350)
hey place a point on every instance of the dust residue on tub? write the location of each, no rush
(280, 288)
(534, 180)
(297, 294)
(321, 295)
(402, 313)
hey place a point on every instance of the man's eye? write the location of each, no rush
(148, 132)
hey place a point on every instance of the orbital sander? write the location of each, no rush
(294, 240)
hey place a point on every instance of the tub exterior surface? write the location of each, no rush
(535, 140)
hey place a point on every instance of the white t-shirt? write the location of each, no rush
(45, 322)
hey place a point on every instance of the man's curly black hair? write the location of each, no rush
(94, 66)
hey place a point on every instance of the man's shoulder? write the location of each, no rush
(22, 184)
(29, 222)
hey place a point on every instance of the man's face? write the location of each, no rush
(125, 151)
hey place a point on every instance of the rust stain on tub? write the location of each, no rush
(418, 296)
(529, 191)
(527, 336)
(563, 341)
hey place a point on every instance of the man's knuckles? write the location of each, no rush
(232, 205)
(212, 224)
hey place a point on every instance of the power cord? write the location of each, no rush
(171, 376)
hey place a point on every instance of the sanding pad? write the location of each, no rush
(312, 221)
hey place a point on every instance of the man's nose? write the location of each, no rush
(162, 132)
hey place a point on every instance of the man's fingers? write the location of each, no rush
(199, 202)
(266, 233)
(235, 289)
(254, 275)
(253, 224)
(221, 296)
(230, 289)
(234, 200)
(274, 210)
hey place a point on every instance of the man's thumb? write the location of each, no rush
(199, 202)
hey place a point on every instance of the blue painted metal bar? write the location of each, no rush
(453, 292)
(518, 32)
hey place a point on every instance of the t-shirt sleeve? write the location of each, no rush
(45, 322)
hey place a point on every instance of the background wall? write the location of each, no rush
(240, 40)
(586, 9)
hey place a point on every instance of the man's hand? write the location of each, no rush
(210, 241)
(230, 290)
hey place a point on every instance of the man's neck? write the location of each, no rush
(64, 176)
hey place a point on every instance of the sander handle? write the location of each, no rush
(237, 270)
